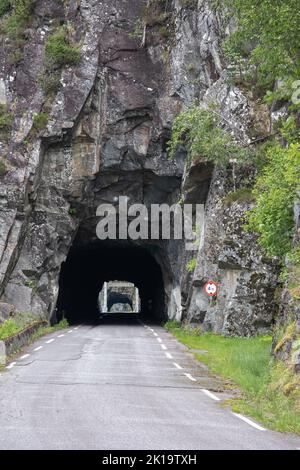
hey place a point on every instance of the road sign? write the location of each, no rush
(211, 288)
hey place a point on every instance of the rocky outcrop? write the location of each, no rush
(109, 124)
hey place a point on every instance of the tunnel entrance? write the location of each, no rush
(88, 267)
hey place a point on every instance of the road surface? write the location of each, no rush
(119, 385)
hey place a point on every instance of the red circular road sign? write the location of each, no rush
(211, 288)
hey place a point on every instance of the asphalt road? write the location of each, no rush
(119, 385)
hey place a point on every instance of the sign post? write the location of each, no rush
(211, 288)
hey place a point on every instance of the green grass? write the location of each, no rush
(15, 325)
(19, 19)
(270, 392)
(8, 328)
(46, 330)
(58, 50)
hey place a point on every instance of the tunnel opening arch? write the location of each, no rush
(89, 265)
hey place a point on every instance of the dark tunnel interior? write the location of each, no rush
(88, 267)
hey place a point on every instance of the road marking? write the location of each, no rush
(11, 365)
(177, 365)
(155, 334)
(25, 356)
(151, 329)
(249, 421)
(50, 341)
(189, 376)
(169, 356)
(76, 328)
(60, 336)
(70, 331)
(159, 340)
(163, 347)
(210, 394)
(38, 348)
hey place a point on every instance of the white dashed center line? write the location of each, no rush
(25, 356)
(169, 356)
(159, 340)
(163, 347)
(71, 331)
(50, 341)
(60, 336)
(155, 334)
(189, 376)
(10, 366)
(38, 348)
(249, 421)
(210, 394)
(177, 365)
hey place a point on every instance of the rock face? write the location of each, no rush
(107, 135)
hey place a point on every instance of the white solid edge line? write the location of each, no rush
(169, 356)
(163, 347)
(249, 421)
(159, 340)
(25, 356)
(10, 366)
(189, 376)
(50, 341)
(60, 336)
(210, 394)
(177, 365)
(38, 348)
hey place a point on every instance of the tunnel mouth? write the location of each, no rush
(88, 266)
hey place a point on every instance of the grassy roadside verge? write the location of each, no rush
(270, 392)
(12, 327)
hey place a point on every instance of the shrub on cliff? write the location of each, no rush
(275, 192)
(58, 50)
(201, 132)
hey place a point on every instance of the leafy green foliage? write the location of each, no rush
(266, 43)
(275, 192)
(191, 265)
(200, 132)
(58, 50)
(5, 6)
